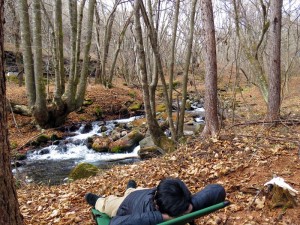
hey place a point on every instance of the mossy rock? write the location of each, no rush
(116, 149)
(150, 152)
(42, 139)
(87, 102)
(83, 170)
(126, 143)
(135, 106)
(161, 108)
(167, 144)
(101, 144)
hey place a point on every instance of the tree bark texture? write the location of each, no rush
(40, 109)
(85, 64)
(78, 41)
(71, 88)
(210, 104)
(152, 63)
(27, 51)
(60, 83)
(106, 42)
(98, 76)
(9, 207)
(186, 69)
(151, 121)
(172, 60)
(120, 41)
(275, 61)
(154, 44)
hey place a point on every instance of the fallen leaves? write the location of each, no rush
(242, 167)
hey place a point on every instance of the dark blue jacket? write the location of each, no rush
(138, 209)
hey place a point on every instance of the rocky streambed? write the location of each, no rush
(102, 144)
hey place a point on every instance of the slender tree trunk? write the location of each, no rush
(121, 38)
(155, 48)
(152, 122)
(9, 206)
(71, 88)
(106, 43)
(78, 41)
(210, 104)
(27, 51)
(55, 56)
(84, 72)
(152, 67)
(60, 88)
(275, 61)
(40, 110)
(186, 69)
(174, 37)
(98, 76)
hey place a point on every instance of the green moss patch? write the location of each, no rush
(83, 170)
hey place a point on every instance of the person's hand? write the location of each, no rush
(166, 217)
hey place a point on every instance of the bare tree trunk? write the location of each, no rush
(98, 76)
(27, 52)
(71, 88)
(121, 38)
(153, 126)
(174, 34)
(152, 67)
(210, 104)
(155, 48)
(275, 61)
(9, 206)
(60, 87)
(40, 113)
(107, 38)
(84, 72)
(78, 41)
(186, 69)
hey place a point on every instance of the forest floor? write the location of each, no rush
(248, 153)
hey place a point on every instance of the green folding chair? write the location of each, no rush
(103, 219)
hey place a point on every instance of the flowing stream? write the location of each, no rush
(52, 164)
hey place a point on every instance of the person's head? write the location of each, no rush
(172, 197)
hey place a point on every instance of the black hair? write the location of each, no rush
(172, 197)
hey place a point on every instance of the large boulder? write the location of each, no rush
(192, 128)
(148, 149)
(135, 106)
(101, 144)
(83, 170)
(167, 144)
(127, 142)
(150, 152)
